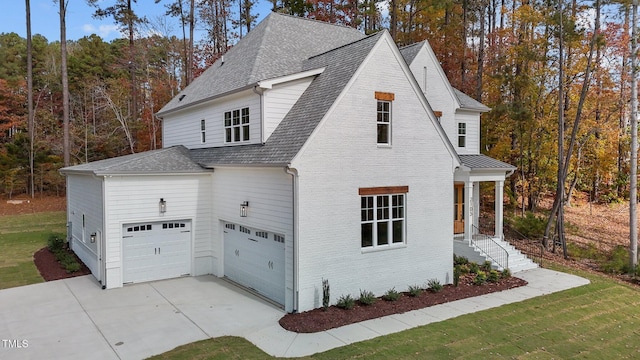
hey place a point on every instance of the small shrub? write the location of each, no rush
(391, 295)
(506, 273)
(72, 267)
(487, 266)
(493, 276)
(460, 260)
(346, 302)
(480, 279)
(434, 285)
(474, 268)
(464, 269)
(530, 225)
(55, 243)
(415, 290)
(618, 261)
(326, 298)
(457, 271)
(367, 297)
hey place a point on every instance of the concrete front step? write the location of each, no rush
(517, 260)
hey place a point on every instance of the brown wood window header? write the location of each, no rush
(381, 190)
(385, 96)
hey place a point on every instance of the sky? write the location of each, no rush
(80, 22)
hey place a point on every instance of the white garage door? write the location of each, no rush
(255, 259)
(156, 250)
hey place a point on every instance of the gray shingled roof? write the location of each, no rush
(467, 102)
(409, 52)
(175, 159)
(483, 162)
(294, 130)
(276, 47)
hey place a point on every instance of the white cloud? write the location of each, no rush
(104, 31)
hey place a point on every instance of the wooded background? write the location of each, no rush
(503, 53)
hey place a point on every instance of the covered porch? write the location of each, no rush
(469, 241)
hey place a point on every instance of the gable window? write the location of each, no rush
(203, 128)
(383, 120)
(236, 125)
(382, 216)
(462, 134)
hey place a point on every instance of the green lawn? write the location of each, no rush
(20, 237)
(597, 321)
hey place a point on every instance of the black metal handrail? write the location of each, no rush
(490, 248)
(532, 248)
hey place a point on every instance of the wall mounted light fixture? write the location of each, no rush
(163, 206)
(243, 209)
(93, 237)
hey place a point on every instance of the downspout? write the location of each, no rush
(294, 189)
(260, 91)
(102, 262)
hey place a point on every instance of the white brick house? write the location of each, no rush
(308, 152)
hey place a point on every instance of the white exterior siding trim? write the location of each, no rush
(133, 199)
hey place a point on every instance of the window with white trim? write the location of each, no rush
(203, 128)
(382, 220)
(383, 117)
(236, 125)
(384, 122)
(462, 134)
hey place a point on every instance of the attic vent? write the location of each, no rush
(181, 97)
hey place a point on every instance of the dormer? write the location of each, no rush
(459, 114)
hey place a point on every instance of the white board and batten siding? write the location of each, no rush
(183, 127)
(269, 194)
(279, 100)
(472, 121)
(85, 215)
(341, 157)
(135, 200)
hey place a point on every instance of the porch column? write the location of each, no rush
(468, 216)
(499, 208)
(476, 204)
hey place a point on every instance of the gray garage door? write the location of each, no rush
(254, 258)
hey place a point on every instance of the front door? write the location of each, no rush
(458, 206)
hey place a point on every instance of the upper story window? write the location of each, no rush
(383, 120)
(382, 216)
(236, 125)
(462, 134)
(203, 128)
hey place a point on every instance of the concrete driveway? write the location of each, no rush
(76, 319)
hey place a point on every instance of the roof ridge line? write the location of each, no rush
(143, 154)
(345, 45)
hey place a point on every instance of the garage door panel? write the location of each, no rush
(255, 260)
(158, 250)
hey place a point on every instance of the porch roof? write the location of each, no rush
(483, 162)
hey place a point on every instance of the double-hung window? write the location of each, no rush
(236, 125)
(382, 217)
(383, 120)
(462, 134)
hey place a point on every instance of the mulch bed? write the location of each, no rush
(50, 269)
(320, 320)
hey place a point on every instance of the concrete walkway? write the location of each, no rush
(75, 319)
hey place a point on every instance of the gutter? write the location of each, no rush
(294, 188)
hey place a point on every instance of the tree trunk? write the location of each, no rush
(31, 120)
(633, 185)
(65, 83)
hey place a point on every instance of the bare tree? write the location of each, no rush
(633, 185)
